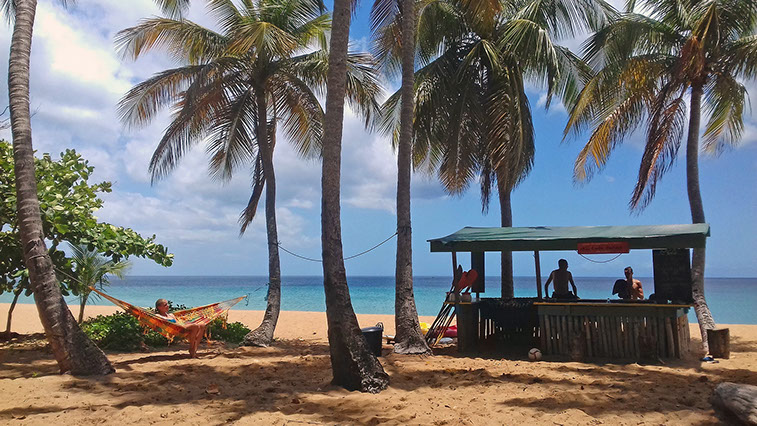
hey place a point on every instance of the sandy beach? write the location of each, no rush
(288, 383)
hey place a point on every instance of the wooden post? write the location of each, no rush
(719, 341)
(467, 327)
(454, 263)
(538, 274)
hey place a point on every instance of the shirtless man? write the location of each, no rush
(634, 285)
(561, 277)
(195, 331)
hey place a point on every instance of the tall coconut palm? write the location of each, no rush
(72, 349)
(234, 89)
(409, 338)
(472, 115)
(353, 365)
(92, 269)
(648, 68)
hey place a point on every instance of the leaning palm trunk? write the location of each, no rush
(16, 295)
(263, 335)
(506, 218)
(82, 304)
(72, 349)
(353, 366)
(704, 316)
(409, 337)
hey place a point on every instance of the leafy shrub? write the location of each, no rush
(234, 332)
(121, 331)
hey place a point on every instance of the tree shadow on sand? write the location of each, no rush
(292, 378)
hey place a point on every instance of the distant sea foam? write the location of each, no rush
(732, 300)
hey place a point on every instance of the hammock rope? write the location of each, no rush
(346, 258)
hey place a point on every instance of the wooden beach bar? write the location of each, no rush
(580, 329)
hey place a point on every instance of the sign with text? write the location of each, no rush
(672, 275)
(601, 248)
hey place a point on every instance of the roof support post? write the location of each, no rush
(538, 273)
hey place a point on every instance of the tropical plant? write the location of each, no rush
(233, 90)
(67, 205)
(648, 68)
(472, 114)
(409, 338)
(91, 269)
(352, 364)
(72, 349)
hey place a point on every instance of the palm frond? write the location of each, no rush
(666, 128)
(741, 57)
(263, 38)
(567, 18)
(140, 104)
(184, 40)
(724, 103)
(301, 112)
(258, 182)
(231, 141)
(205, 96)
(173, 8)
(226, 13)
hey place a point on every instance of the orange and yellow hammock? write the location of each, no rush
(171, 330)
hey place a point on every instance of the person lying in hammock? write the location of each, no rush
(195, 331)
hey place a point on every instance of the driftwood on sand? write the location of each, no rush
(737, 400)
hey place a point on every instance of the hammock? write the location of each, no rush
(196, 316)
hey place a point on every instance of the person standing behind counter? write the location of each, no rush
(635, 289)
(561, 277)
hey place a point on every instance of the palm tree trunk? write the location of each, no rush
(263, 335)
(704, 316)
(72, 349)
(506, 220)
(409, 338)
(352, 364)
(10, 314)
(82, 304)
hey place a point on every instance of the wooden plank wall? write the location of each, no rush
(611, 336)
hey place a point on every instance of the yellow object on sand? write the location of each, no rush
(424, 327)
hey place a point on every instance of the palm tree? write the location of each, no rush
(352, 364)
(92, 269)
(235, 88)
(72, 349)
(409, 338)
(648, 68)
(472, 115)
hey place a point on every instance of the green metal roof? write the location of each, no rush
(471, 239)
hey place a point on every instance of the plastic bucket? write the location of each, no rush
(373, 338)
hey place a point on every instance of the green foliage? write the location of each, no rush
(650, 73)
(67, 205)
(233, 332)
(122, 332)
(119, 331)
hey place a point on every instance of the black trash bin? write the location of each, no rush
(373, 338)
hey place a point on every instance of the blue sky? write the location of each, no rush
(77, 79)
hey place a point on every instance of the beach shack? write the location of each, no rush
(581, 328)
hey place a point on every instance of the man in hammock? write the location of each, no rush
(195, 331)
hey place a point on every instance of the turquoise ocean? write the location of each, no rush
(732, 300)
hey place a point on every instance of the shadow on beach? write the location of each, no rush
(291, 380)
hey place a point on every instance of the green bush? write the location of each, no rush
(121, 331)
(234, 332)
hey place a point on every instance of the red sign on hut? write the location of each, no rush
(604, 247)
